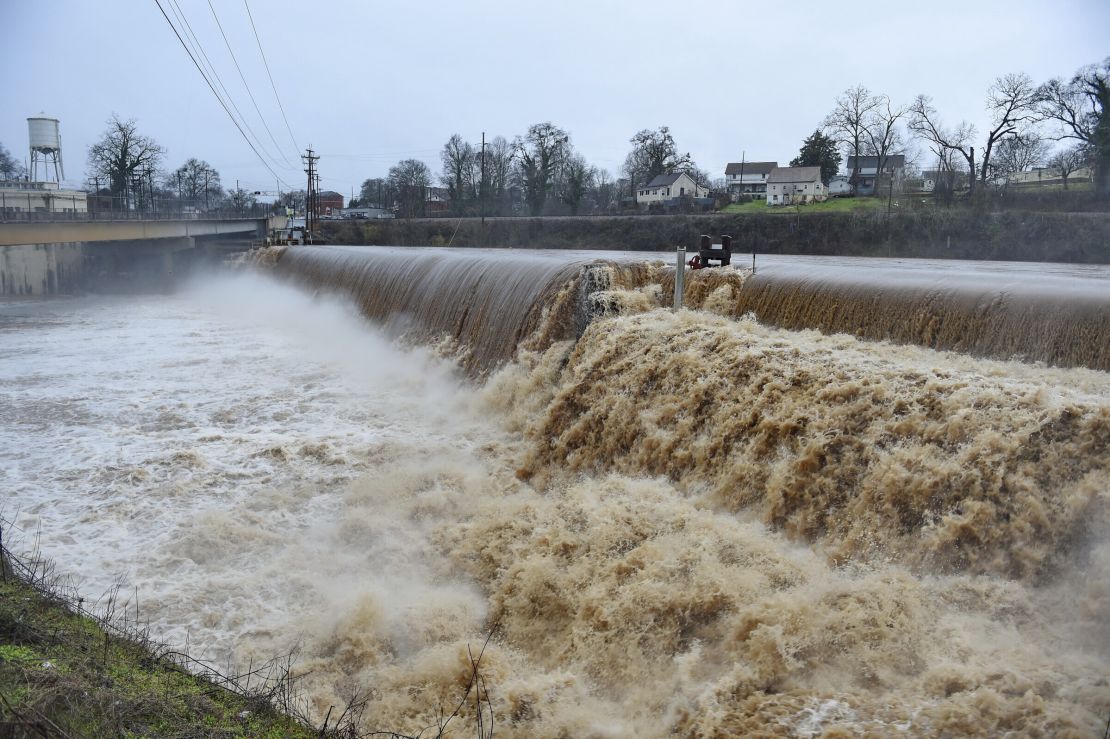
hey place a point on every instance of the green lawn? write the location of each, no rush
(833, 205)
(62, 675)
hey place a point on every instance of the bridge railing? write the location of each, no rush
(18, 208)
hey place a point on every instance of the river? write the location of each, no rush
(264, 470)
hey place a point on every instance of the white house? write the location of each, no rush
(839, 185)
(866, 171)
(747, 179)
(931, 178)
(668, 186)
(1048, 175)
(794, 185)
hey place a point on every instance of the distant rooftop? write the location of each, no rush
(896, 161)
(794, 174)
(665, 180)
(750, 167)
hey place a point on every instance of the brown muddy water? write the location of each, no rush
(691, 524)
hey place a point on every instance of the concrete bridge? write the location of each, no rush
(86, 231)
(60, 256)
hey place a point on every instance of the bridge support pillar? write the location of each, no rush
(41, 269)
(170, 261)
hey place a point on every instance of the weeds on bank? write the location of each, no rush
(66, 671)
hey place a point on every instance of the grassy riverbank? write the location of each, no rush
(67, 674)
(833, 205)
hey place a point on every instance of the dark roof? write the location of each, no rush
(895, 161)
(665, 180)
(750, 167)
(329, 194)
(794, 174)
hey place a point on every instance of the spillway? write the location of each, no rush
(489, 301)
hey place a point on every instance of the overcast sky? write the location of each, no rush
(369, 83)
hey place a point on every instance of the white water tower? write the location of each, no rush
(46, 149)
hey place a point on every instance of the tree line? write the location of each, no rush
(1025, 121)
(538, 173)
(541, 172)
(125, 171)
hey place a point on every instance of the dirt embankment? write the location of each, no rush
(937, 234)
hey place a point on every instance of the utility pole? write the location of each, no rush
(482, 195)
(743, 154)
(310, 158)
(150, 187)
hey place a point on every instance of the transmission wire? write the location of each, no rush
(189, 32)
(218, 98)
(250, 94)
(272, 85)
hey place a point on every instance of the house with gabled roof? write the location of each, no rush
(668, 186)
(795, 185)
(747, 179)
(869, 178)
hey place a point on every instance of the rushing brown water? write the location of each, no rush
(703, 525)
(668, 524)
(1058, 320)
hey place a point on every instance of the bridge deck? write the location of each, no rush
(54, 232)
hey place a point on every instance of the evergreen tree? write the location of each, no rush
(819, 150)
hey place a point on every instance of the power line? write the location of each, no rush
(213, 89)
(243, 78)
(272, 85)
(190, 33)
(199, 47)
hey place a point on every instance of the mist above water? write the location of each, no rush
(270, 470)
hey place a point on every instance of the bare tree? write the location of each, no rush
(241, 199)
(1011, 100)
(848, 123)
(576, 179)
(122, 153)
(605, 190)
(196, 180)
(410, 178)
(1079, 108)
(376, 191)
(653, 153)
(1018, 153)
(499, 169)
(458, 164)
(1068, 160)
(881, 134)
(539, 154)
(925, 123)
(294, 199)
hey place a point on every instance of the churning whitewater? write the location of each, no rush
(691, 523)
